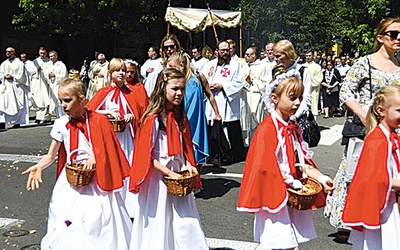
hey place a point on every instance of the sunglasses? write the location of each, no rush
(249, 54)
(394, 34)
(169, 47)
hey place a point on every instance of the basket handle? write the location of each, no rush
(76, 150)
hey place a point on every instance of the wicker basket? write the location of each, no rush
(118, 125)
(182, 186)
(301, 200)
(76, 175)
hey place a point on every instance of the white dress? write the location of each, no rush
(126, 141)
(387, 236)
(164, 221)
(84, 217)
(288, 227)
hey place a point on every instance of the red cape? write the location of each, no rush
(142, 160)
(371, 183)
(111, 164)
(137, 102)
(262, 185)
(139, 90)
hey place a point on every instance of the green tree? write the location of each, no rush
(72, 18)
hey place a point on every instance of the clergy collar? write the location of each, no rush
(198, 58)
(155, 57)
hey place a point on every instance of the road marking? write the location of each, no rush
(331, 135)
(6, 223)
(231, 244)
(17, 158)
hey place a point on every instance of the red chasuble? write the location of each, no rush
(142, 160)
(262, 186)
(111, 164)
(136, 101)
(370, 186)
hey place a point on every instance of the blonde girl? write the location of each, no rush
(376, 178)
(270, 168)
(93, 216)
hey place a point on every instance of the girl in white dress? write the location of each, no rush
(371, 208)
(164, 147)
(270, 168)
(92, 216)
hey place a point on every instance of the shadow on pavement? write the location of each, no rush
(217, 187)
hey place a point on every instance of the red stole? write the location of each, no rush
(111, 164)
(74, 126)
(142, 160)
(369, 189)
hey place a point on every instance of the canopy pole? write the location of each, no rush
(168, 28)
(212, 23)
(240, 38)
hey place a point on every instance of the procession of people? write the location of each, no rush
(180, 111)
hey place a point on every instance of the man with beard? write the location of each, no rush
(13, 91)
(226, 80)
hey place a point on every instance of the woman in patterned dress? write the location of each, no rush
(356, 92)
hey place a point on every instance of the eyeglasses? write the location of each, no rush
(394, 34)
(248, 54)
(9, 51)
(169, 47)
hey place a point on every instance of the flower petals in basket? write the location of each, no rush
(303, 199)
(118, 125)
(77, 175)
(181, 186)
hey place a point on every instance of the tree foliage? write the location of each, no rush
(314, 24)
(73, 18)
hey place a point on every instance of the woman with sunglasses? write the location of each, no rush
(367, 75)
(169, 45)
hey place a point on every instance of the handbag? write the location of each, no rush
(309, 128)
(352, 128)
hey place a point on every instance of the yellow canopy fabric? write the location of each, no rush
(197, 20)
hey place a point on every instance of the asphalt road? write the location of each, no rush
(20, 147)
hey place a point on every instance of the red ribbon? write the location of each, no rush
(173, 138)
(394, 139)
(74, 125)
(287, 133)
(116, 98)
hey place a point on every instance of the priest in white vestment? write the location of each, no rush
(198, 62)
(226, 80)
(316, 78)
(150, 69)
(40, 87)
(99, 77)
(13, 91)
(30, 70)
(57, 73)
(256, 87)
